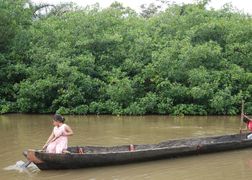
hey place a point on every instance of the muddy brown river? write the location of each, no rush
(19, 132)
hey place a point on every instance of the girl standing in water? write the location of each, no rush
(57, 141)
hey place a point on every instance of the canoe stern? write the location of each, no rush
(31, 156)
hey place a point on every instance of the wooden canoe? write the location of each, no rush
(100, 156)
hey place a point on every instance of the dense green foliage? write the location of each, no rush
(184, 60)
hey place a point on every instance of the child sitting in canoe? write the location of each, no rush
(248, 122)
(57, 141)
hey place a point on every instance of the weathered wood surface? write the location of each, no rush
(100, 156)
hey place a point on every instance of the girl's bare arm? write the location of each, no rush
(49, 140)
(69, 131)
(247, 117)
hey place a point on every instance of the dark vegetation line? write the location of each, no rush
(182, 60)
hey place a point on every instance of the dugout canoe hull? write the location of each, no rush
(101, 156)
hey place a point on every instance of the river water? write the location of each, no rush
(19, 132)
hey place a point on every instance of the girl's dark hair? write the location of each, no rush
(59, 118)
(245, 120)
